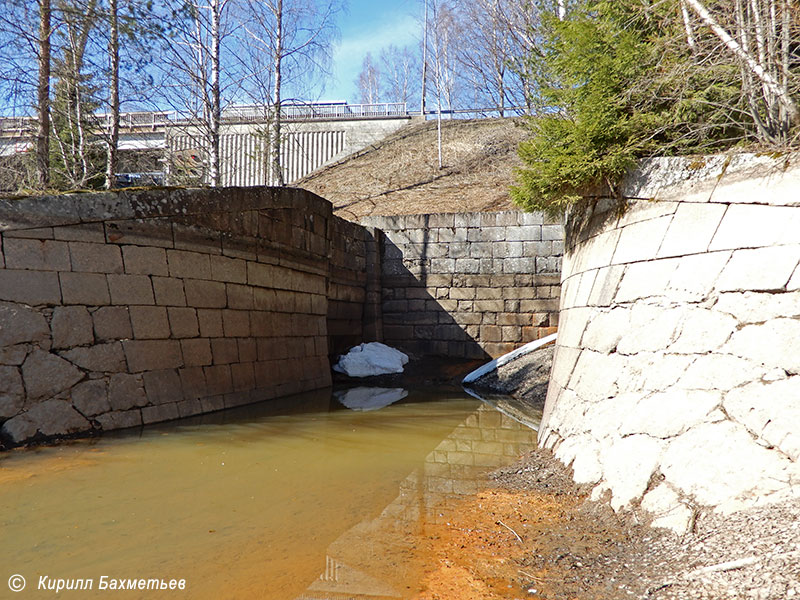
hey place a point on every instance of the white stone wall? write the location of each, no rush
(676, 379)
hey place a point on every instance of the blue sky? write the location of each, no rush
(368, 26)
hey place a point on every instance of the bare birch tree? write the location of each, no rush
(113, 120)
(192, 82)
(369, 81)
(287, 44)
(399, 67)
(43, 96)
(758, 34)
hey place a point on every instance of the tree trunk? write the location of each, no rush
(424, 60)
(214, 117)
(113, 134)
(275, 135)
(43, 98)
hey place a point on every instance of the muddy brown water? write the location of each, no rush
(298, 498)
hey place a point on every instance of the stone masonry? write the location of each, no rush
(676, 379)
(469, 285)
(122, 309)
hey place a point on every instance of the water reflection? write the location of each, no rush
(369, 398)
(376, 558)
(256, 502)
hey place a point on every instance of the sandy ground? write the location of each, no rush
(532, 533)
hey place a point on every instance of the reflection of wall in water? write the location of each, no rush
(375, 559)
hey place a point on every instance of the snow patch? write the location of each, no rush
(369, 359)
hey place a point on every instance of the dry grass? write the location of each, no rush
(401, 175)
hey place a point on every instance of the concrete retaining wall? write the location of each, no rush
(469, 285)
(119, 309)
(676, 379)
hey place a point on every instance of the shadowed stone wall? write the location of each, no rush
(469, 285)
(121, 309)
(676, 378)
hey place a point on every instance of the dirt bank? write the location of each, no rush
(531, 533)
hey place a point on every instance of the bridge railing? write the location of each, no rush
(17, 124)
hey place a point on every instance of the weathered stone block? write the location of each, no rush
(652, 328)
(140, 260)
(95, 258)
(71, 326)
(691, 229)
(753, 226)
(30, 287)
(236, 323)
(120, 419)
(218, 380)
(243, 377)
(126, 391)
(695, 276)
(196, 352)
(210, 321)
(645, 279)
(51, 417)
(205, 294)
(753, 307)
(728, 467)
(770, 410)
(641, 241)
(101, 358)
(131, 289)
(46, 375)
(747, 270)
(719, 372)
(12, 394)
(703, 330)
(168, 291)
(160, 413)
(40, 255)
(149, 355)
(627, 466)
(19, 324)
(228, 269)
(774, 344)
(666, 414)
(191, 265)
(224, 351)
(149, 322)
(112, 323)
(142, 232)
(162, 386)
(241, 297)
(90, 398)
(85, 232)
(183, 322)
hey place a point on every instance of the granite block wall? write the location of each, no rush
(468, 285)
(122, 309)
(676, 378)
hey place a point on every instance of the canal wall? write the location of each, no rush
(470, 285)
(676, 378)
(121, 309)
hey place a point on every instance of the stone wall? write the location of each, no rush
(676, 379)
(468, 285)
(121, 309)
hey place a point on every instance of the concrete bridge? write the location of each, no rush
(314, 135)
